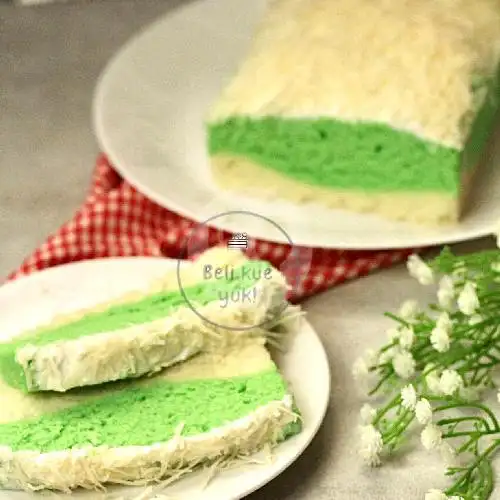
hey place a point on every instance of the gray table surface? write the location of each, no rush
(50, 58)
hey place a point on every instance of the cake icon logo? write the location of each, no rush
(232, 292)
(238, 241)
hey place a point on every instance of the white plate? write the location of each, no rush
(148, 115)
(35, 299)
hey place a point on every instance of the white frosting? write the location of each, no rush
(107, 356)
(150, 347)
(91, 467)
(407, 63)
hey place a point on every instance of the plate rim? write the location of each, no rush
(165, 262)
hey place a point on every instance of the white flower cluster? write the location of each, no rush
(440, 334)
(431, 436)
(419, 270)
(466, 299)
(404, 364)
(439, 495)
(371, 446)
(456, 297)
(448, 383)
(409, 310)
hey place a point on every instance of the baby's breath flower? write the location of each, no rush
(372, 445)
(467, 301)
(446, 292)
(431, 436)
(408, 310)
(433, 383)
(440, 339)
(423, 411)
(360, 369)
(408, 397)
(406, 337)
(404, 364)
(419, 270)
(440, 334)
(450, 382)
(435, 495)
(367, 414)
(439, 495)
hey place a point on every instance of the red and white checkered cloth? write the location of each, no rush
(117, 220)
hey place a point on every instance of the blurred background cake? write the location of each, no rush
(368, 105)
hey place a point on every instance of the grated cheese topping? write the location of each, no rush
(411, 64)
(92, 467)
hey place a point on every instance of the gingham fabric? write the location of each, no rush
(117, 220)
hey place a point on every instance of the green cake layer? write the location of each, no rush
(374, 157)
(146, 415)
(121, 316)
(331, 153)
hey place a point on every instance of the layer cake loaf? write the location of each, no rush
(368, 105)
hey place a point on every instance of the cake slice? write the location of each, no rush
(214, 408)
(221, 294)
(368, 105)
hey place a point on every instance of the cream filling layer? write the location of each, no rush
(244, 176)
(92, 467)
(150, 347)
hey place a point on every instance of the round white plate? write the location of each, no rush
(148, 115)
(31, 301)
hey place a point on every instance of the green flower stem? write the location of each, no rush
(466, 477)
(459, 420)
(461, 404)
(467, 433)
(381, 382)
(396, 433)
(473, 440)
(383, 411)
